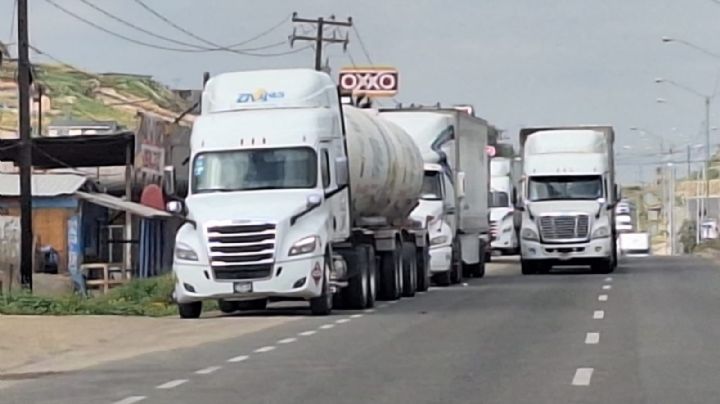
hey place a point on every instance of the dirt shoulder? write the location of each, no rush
(46, 344)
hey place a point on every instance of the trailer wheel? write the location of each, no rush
(372, 278)
(456, 271)
(190, 310)
(322, 305)
(423, 272)
(356, 293)
(390, 271)
(528, 267)
(409, 270)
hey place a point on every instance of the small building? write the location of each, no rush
(80, 224)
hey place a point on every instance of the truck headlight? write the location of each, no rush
(304, 246)
(601, 232)
(438, 240)
(184, 252)
(529, 234)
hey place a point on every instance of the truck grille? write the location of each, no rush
(564, 228)
(241, 251)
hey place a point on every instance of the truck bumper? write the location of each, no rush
(504, 242)
(440, 259)
(568, 254)
(197, 282)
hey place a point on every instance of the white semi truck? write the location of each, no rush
(455, 198)
(568, 198)
(294, 197)
(503, 188)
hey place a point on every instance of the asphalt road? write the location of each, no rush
(648, 333)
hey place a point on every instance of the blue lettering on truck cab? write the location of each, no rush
(259, 95)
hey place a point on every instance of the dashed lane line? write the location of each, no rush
(356, 316)
(592, 338)
(307, 333)
(208, 370)
(603, 298)
(172, 384)
(240, 358)
(287, 340)
(131, 400)
(327, 326)
(607, 287)
(582, 377)
(265, 349)
(343, 321)
(608, 279)
(598, 314)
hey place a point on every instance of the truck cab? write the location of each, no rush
(568, 199)
(502, 209)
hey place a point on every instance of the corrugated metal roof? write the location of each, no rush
(115, 203)
(43, 185)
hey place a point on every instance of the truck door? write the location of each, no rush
(336, 197)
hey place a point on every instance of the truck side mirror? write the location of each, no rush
(460, 185)
(169, 180)
(341, 171)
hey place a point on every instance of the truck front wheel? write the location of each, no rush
(603, 267)
(322, 305)
(528, 267)
(423, 272)
(190, 310)
(356, 293)
(409, 270)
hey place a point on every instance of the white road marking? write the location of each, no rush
(382, 306)
(287, 340)
(608, 279)
(592, 338)
(603, 298)
(327, 326)
(265, 349)
(465, 284)
(582, 377)
(130, 400)
(238, 359)
(370, 311)
(393, 301)
(607, 287)
(598, 314)
(307, 333)
(207, 371)
(356, 316)
(343, 320)
(172, 384)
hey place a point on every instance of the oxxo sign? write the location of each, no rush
(372, 82)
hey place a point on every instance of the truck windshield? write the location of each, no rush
(245, 170)
(431, 190)
(565, 187)
(499, 199)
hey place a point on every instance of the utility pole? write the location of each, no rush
(319, 38)
(706, 198)
(40, 92)
(25, 152)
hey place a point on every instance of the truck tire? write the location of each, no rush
(372, 276)
(247, 305)
(409, 270)
(390, 269)
(423, 270)
(444, 278)
(323, 304)
(227, 307)
(355, 295)
(190, 310)
(456, 270)
(603, 267)
(528, 267)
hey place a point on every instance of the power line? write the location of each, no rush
(319, 38)
(147, 44)
(163, 18)
(165, 38)
(362, 45)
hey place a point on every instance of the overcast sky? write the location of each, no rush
(519, 62)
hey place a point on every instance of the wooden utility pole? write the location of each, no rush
(25, 152)
(319, 38)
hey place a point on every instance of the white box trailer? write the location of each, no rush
(457, 142)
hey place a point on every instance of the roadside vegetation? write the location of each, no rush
(142, 297)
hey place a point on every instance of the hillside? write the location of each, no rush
(74, 94)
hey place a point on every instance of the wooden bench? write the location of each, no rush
(105, 280)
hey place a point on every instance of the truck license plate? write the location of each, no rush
(242, 287)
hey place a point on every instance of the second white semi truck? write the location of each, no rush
(503, 188)
(453, 145)
(294, 197)
(568, 198)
